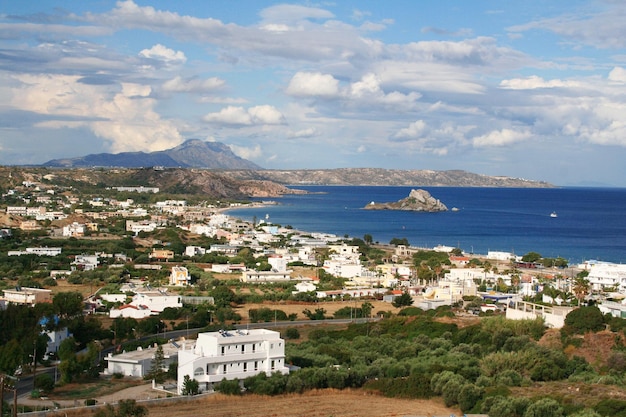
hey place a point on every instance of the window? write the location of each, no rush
(256, 365)
(224, 368)
(253, 347)
(222, 350)
(273, 364)
(245, 367)
(198, 371)
(243, 348)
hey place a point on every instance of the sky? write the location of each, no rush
(531, 89)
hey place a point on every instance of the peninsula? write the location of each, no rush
(417, 200)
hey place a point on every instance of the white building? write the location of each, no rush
(30, 296)
(147, 303)
(140, 226)
(231, 355)
(180, 276)
(138, 363)
(74, 229)
(604, 275)
(265, 276)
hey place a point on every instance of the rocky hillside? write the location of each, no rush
(386, 177)
(417, 200)
(213, 185)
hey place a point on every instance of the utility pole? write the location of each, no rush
(2, 389)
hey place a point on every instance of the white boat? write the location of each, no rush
(553, 214)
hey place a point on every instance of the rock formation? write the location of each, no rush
(418, 200)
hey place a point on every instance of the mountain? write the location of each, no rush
(385, 177)
(193, 153)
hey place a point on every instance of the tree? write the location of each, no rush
(545, 407)
(44, 382)
(366, 309)
(190, 386)
(367, 238)
(156, 369)
(584, 319)
(397, 241)
(68, 304)
(402, 300)
(580, 288)
(125, 408)
(531, 257)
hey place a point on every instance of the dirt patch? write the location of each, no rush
(320, 403)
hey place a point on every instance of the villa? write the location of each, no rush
(231, 355)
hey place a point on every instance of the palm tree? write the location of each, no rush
(580, 288)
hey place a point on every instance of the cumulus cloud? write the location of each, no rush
(249, 153)
(313, 84)
(161, 53)
(618, 75)
(125, 118)
(501, 137)
(238, 116)
(413, 131)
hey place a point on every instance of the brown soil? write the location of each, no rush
(321, 403)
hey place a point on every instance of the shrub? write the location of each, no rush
(292, 333)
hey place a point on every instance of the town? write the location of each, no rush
(108, 283)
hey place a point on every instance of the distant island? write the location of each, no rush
(417, 200)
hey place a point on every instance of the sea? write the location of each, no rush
(590, 223)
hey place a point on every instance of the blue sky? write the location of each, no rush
(531, 89)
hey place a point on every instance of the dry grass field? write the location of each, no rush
(319, 403)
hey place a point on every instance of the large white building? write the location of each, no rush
(607, 275)
(231, 355)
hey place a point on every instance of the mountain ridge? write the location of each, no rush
(193, 153)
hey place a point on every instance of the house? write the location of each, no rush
(180, 276)
(74, 229)
(30, 296)
(55, 337)
(86, 262)
(265, 276)
(161, 254)
(138, 363)
(147, 303)
(231, 355)
(521, 310)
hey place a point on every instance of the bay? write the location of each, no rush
(590, 225)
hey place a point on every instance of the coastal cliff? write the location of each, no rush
(418, 200)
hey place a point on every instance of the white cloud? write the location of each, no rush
(249, 153)
(124, 117)
(166, 55)
(238, 116)
(267, 115)
(195, 85)
(501, 137)
(618, 75)
(230, 115)
(534, 82)
(604, 28)
(415, 130)
(314, 84)
(304, 133)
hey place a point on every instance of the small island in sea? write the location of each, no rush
(417, 200)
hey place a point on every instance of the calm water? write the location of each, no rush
(590, 225)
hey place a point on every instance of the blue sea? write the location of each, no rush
(590, 222)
